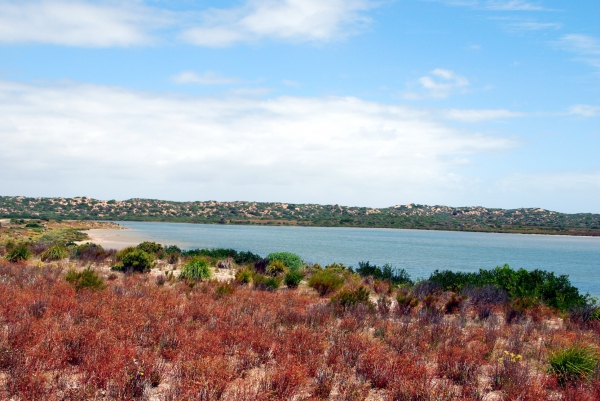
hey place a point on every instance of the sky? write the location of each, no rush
(373, 103)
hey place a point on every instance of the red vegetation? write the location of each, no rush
(135, 339)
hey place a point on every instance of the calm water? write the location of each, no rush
(419, 252)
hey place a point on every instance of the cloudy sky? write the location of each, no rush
(355, 102)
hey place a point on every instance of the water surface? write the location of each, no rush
(418, 251)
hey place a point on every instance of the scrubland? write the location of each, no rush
(156, 323)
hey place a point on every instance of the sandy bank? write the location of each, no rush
(113, 239)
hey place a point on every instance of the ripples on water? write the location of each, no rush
(418, 251)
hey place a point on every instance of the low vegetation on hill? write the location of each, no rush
(524, 220)
(156, 322)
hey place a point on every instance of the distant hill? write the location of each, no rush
(531, 221)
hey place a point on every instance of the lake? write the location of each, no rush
(418, 251)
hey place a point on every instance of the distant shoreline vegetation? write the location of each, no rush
(413, 216)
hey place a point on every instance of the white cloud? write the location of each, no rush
(497, 5)
(532, 26)
(566, 191)
(588, 47)
(112, 142)
(106, 23)
(513, 5)
(298, 20)
(584, 110)
(473, 116)
(206, 78)
(440, 83)
(77, 23)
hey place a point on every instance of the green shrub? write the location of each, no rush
(196, 269)
(18, 253)
(268, 283)
(326, 281)
(243, 276)
(134, 259)
(386, 272)
(88, 252)
(293, 278)
(291, 260)
(224, 290)
(348, 298)
(340, 267)
(55, 252)
(557, 292)
(173, 253)
(150, 247)
(84, 279)
(276, 268)
(574, 363)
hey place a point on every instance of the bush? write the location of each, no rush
(386, 272)
(263, 282)
(260, 266)
(18, 254)
(89, 252)
(291, 260)
(326, 281)
(424, 288)
(150, 247)
(134, 259)
(406, 302)
(243, 276)
(244, 258)
(276, 268)
(196, 269)
(173, 253)
(55, 252)
(574, 363)
(84, 279)
(556, 292)
(349, 298)
(224, 290)
(293, 278)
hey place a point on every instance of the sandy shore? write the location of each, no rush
(113, 239)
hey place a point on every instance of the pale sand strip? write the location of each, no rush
(113, 239)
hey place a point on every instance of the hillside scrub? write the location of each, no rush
(557, 292)
(135, 339)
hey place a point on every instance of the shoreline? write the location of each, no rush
(111, 239)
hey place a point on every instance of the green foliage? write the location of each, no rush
(291, 260)
(224, 290)
(326, 281)
(407, 300)
(196, 269)
(55, 252)
(557, 292)
(386, 272)
(349, 298)
(268, 283)
(276, 268)
(244, 258)
(84, 279)
(574, 363)
(19, 253)
(34, 225)
(88, 251)
(243, 276)
(150, 247)
(241, 258)
(134, 259)
(293, 278)
(339, 267)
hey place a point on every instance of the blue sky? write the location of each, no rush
(355, 102)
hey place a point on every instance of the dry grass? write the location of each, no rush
(136, 339)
